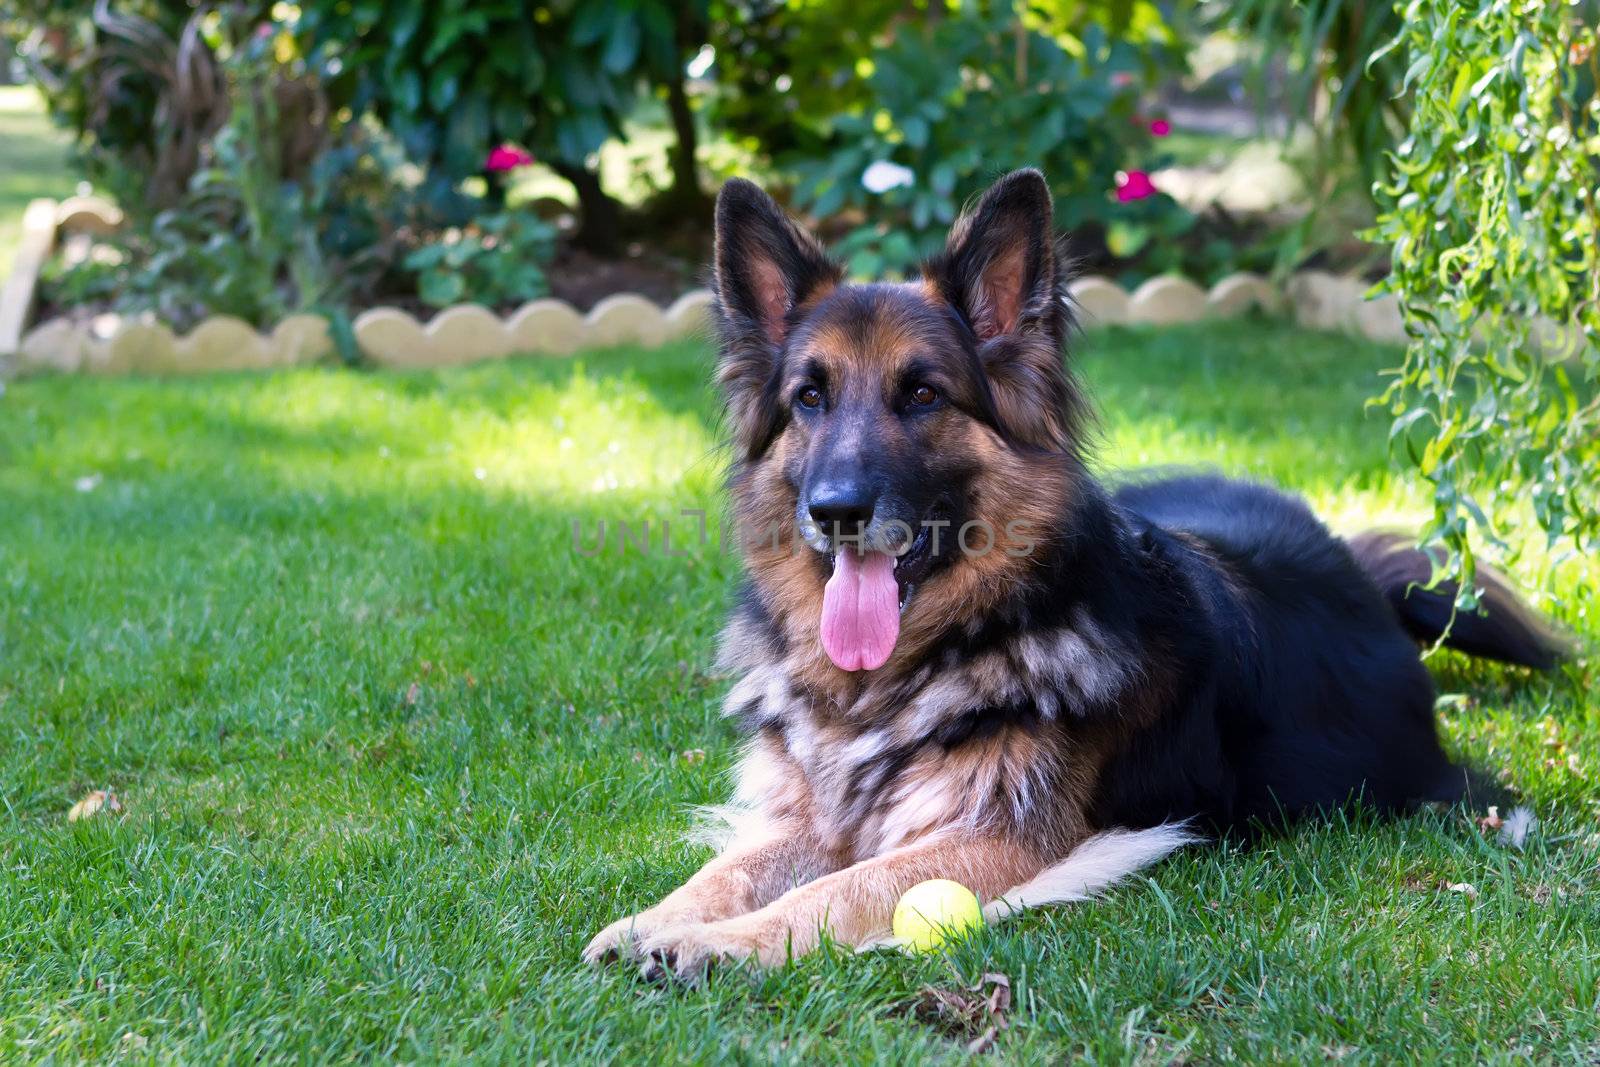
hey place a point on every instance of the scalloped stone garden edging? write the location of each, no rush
(468, 333)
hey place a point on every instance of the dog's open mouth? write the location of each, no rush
(864, 599)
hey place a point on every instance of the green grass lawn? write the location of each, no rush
(35, 163)
(390, 750)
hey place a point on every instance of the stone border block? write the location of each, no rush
(1379, 319)
(691, 315)
(302, 338)
(137, 347)
(1101, 301)
(392, 338)
(56, 345)
(546, 327)
(467, 333)
(625, 318)
(1167, 300)
(1239, 293)
(223, 343)
(1324, 301)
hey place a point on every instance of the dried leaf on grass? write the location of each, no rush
(1422, 884)
(975, 1013)
(983, 1042)
(95, 803)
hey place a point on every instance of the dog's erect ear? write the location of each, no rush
(999, 265)
(766, 267)
(999, 269)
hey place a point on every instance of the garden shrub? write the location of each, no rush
(953, 102)
(499, 260)
(785, 68)
(1492, 216)
(452, 79)
(280, 210)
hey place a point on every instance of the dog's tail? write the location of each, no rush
(1503, 628)
(1097, 864)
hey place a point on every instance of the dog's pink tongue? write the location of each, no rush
(860, 610)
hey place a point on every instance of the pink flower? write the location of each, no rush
(1121, 79)
(1160, 127)
(1133, 185)
(506, 157)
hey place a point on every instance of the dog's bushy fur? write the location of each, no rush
(1182, 651)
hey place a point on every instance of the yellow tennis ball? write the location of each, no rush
(934, 912)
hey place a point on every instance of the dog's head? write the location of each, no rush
(902, 448)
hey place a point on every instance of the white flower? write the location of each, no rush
(883, 176)
(701, 63)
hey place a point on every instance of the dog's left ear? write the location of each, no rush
(999, 269)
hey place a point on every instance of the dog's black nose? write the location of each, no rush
(842, 507)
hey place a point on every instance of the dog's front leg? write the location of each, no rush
(746, 876)
(853, 905)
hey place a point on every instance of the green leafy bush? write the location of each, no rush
(1492, 216)
(785, 68)
(452, 79)
(499, 260)
(277, 211)
(953, 102)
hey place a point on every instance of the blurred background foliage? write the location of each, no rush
(274, 156)
(942, 102)
(372, 128)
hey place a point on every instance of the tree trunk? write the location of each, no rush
(685, 177)
(686, 191)
(600, 223)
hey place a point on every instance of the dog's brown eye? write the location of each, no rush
(923, 395)
(810, 397)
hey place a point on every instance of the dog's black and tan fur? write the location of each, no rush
(1189, 651)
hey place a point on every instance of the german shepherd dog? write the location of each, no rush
(1067, 684)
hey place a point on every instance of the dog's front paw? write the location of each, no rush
(620, 940)
(688, 950)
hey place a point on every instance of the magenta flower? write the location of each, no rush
(506, 157)
(1160, 127)
(1133, 185)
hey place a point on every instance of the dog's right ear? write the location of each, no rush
(1000, 271)
(766, 267)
